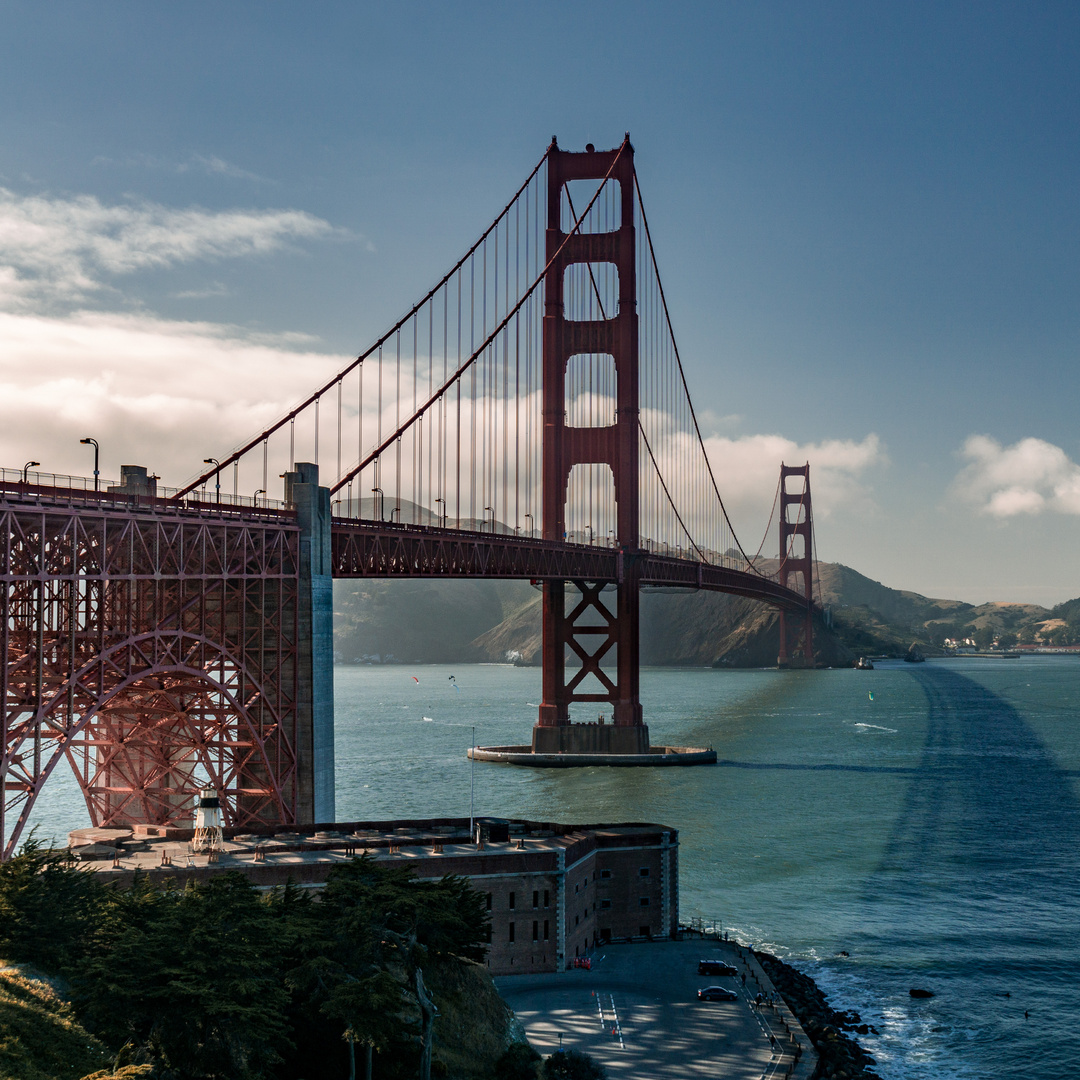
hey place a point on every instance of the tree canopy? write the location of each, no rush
(219, 980)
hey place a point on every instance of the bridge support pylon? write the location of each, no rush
(582, 618)
(796, 567)
(315, 653)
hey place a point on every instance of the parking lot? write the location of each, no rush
(637, 1013)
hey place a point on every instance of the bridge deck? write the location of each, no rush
(388, 549)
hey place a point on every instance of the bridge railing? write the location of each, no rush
(43, 479)
(28, 482)
(20, 480)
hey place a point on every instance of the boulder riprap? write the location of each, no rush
(838, 1054)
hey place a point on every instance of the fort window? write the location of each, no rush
(536, 898)
(547, 929)
(643, 872)
(487, 900)
(511, 901)
(644, 931)
(547, 897)
(536, 930)
(604, 874)
(511, 933)
(604, 904)
(644, 901)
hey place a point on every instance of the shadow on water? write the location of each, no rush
(989, 829)
(815, 767)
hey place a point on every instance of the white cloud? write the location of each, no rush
(219, 167)
(65, 250)
(1026, 478)
(747, 469)
(210, 164)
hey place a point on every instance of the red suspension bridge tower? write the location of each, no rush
(582, 619)
(796, 566)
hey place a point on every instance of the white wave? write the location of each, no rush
(878, 727)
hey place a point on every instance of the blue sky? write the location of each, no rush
(866, 217)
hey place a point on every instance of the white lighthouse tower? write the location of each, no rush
(208, 835)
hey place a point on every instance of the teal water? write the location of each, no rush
(933, 833)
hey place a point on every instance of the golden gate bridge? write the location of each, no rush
(528, 418)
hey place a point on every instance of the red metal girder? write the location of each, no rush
(152, 647)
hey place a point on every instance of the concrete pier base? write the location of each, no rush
(591, 739)
(655, 755)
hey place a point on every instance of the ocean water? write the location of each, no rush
(931, 832)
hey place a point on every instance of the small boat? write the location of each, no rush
(864, 663)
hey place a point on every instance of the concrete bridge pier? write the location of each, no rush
(315, 678)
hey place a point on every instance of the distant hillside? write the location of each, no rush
(426, 620)
(442, 621)
(872, 618)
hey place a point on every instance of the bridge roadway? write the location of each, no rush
(391, 550)
(375, 549)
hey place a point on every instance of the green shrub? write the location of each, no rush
(520, 1062)
(572, 1065)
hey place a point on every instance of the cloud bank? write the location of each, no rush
(155, 392)
(1029, 477)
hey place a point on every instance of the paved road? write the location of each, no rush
(637, 1012)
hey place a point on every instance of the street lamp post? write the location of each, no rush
(472, 784)
(217, 476)
(255, 498)
(27, 467)
(486, 509)
(379, 502)
(94, 444)
(532, 524)
(442, 516)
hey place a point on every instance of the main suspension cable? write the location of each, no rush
(402, 428)
(682, 376)
(312, 398)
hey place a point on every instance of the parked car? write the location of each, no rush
(715, 967)
(717, 993)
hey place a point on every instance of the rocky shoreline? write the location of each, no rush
(840, 1057)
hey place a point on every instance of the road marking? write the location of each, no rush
(617, 1029)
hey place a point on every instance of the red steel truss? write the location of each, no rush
(154, 648)
(590, 629)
